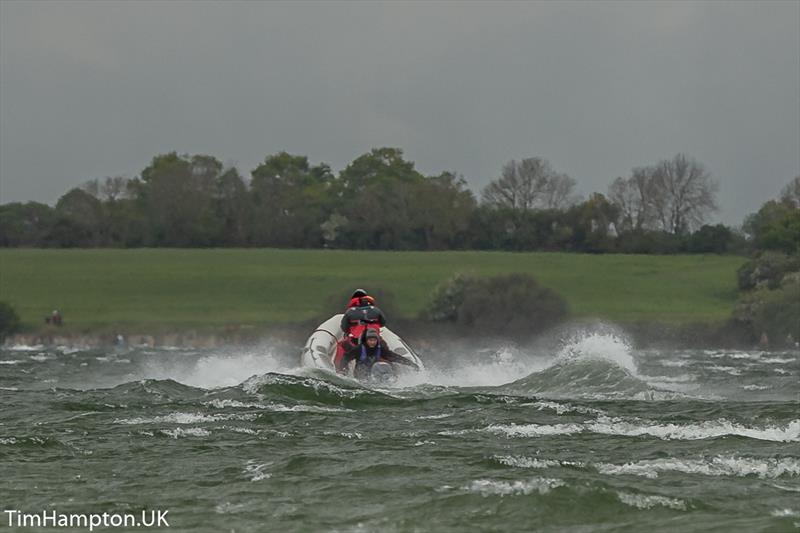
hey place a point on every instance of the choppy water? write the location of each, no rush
(591, 437)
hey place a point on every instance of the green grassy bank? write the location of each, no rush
(196, 288)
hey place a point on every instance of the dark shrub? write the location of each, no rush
(775, 313)
(513, 305)
(767, 270)
(9, 320)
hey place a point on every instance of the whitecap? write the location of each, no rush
(11, 362)
(563, 408)
(616, 426)
(256, 472)
(347, 435)
(716, 466)
(644, 501)
(756, 387)
(534, 430)
(526, 462)
(186, 432)
(183, 418)
(26, 348)
(488, 487)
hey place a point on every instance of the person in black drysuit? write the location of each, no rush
(369, 352)
(366, 313)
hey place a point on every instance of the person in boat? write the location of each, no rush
(355, 299)
(369, 352)
(361, 314)
(366, 313)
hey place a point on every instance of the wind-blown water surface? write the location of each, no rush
(594, 436)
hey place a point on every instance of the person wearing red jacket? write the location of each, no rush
(361, 314)
(372, 350)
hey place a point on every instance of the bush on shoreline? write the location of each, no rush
(514, 305)
(9, 320)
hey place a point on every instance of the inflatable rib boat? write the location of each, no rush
(320, 348)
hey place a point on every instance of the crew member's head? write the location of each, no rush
(366, 300)
(371, 338)
(358, 293)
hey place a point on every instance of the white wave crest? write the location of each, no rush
(603, 346)
(716, 466)
(186, 432)
(785, 513)
(184, 418)
(615, 426)
(534, 430)
(530, 462)
(221, 369)
(256, 472)
(488, 487)
(645, 501)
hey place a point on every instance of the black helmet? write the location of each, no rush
(358, 293)
(370, 333)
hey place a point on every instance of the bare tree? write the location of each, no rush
(115, 188)
(633, 197)
(528, 184)
(683, 194)
(109, 190)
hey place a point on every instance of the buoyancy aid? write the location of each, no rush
(363, 358)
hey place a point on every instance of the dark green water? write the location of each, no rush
(595, 437)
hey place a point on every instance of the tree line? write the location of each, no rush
(380, 201)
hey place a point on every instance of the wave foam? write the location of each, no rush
(186, 432)
(183, 418)
(644, 501)
(619, 427)
(716, 466)
(608, 347)
(488, 487)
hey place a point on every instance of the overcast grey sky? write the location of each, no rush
(93, 89)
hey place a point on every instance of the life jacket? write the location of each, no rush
(363, 357)
(357, 330)
(354, 302)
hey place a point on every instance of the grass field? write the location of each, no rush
(172, 287)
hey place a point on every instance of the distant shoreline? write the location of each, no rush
(642, 334)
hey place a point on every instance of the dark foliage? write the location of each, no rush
(9, 320)
(514, 305)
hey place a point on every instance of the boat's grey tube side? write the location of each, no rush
(320, 347)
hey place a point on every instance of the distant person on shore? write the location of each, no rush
(54, 318)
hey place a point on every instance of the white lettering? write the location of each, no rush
(78, 520)
(35, 520)
(52, 518)
(152, 521)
